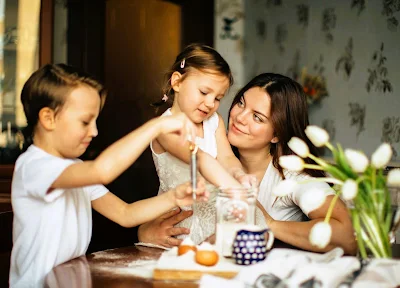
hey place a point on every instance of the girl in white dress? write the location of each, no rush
(264, 116)
(196, 83)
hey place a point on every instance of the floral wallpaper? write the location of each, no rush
(229, 41)
(352, 47)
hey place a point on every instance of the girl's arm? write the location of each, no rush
(227, 159)
(297, 233)
(208, 166)
(130, 215)
(121, 154)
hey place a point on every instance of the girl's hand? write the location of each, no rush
(247, 180)
(178, 123)
(183, 193)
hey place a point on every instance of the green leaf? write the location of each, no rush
(335, 172)
(343, 164)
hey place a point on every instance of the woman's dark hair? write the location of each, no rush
(195, 56)
(49, 87)
(289, 115)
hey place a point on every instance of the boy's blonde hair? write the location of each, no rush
(49, 87)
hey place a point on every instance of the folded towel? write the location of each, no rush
(382, 273)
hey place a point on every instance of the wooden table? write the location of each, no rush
(100, 269)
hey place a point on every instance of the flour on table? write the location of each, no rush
(140, 268)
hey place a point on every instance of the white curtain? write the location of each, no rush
(27, 50)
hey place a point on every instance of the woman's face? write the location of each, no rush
(249, 121)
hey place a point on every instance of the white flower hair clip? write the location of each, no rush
(165, 98)
(183, 63)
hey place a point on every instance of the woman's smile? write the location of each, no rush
(237, 130)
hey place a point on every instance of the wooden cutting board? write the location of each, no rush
(173, 267)
(173, 274)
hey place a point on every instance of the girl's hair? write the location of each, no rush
(289, 115)
(49, 87)
(195, 56)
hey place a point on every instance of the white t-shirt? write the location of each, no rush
(287, 208)
(48, 229)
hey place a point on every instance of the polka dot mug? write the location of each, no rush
(251, 244)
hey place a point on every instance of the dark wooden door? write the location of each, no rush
(129, 44)
(142, 39)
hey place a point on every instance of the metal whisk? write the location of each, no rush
(195, 226)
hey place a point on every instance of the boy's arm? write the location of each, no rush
(130, 215)
(121, 154)
(136, 213)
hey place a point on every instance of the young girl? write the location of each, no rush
(53, 191)
(197, 82)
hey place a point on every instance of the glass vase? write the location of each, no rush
(375, 222)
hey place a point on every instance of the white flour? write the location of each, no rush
(117, 263)
(144, 268)
(140, 268)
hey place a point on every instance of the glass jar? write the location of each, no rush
(235, 210)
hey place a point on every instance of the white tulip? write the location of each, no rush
(393, 178)
(381, 157)
(349, 189)
(299, 147)
(292, 163)
(357, 160)
(320, 234)
(318, 136)
(285, 187)
(312, 199)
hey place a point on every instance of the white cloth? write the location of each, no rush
(379, 273)
(287, 208)
(295, 268)
(172, 172)
(48, 229)
(291, 268)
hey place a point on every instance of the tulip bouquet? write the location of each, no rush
(359, 182)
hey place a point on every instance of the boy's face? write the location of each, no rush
(76, 122)
(199, 94)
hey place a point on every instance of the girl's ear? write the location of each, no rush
(176, 80)
(275, 140)
(46, 118)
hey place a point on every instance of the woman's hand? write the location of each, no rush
(268, 218)
(161, 231)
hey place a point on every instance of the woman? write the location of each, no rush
(264, 116)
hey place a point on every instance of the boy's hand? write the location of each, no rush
(178, 123)
(183, 193)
